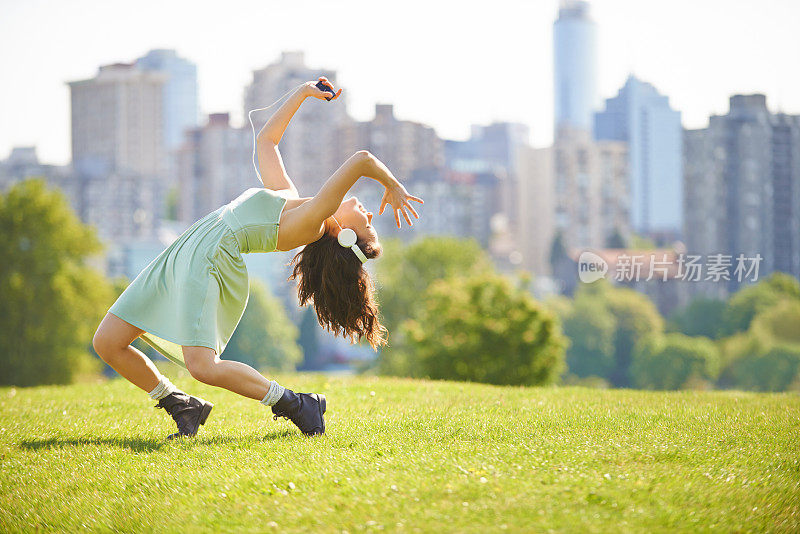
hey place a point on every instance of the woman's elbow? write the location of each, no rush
(363, 155)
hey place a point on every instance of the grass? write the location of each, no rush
(403, 455)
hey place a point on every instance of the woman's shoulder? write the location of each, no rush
(292, 200)
(286, 198)
(263, 192)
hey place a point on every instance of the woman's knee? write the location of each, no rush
(202, 365)
(112, 336)
(105, 345)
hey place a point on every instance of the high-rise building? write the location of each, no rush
(308, 146)
(575, 63)
(23, 163)
(120, 205)
(786, 192)
(461, 204)
(493, 148)
(591, 199)
(402, 145)
(117, 121)
(536, 190)
(180, 99)
(643, 118)
(119, 161)
(742, 189)
(214, 166)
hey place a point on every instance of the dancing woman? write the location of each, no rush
(188, 301)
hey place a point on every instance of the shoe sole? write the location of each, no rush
(207, 407)
(204, 413)
(322, 407)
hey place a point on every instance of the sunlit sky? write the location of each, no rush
(444, 63)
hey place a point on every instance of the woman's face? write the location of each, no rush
(352, 214)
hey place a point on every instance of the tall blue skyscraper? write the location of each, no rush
(181, 108)
(575, 63)
(644, 119)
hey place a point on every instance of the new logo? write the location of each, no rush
(591, 267)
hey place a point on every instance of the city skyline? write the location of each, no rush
(671, 52)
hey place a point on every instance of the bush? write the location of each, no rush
(764, 358)
(404, 274)
(481, 329)
(747, 303)
(673, 361)
(777, 370)
(702, 317)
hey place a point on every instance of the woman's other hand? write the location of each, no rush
(398, 197)
(312, 89)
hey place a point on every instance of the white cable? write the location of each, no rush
(252, 127)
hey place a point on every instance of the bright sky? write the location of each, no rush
(448, 64)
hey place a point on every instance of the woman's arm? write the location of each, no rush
(270, 165)
(277, 123)
(362, 163)
(330, 196)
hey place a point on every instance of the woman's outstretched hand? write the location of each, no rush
(398, 197)
(316, 92)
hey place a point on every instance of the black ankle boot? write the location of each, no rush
(303, 409)
(187, 411)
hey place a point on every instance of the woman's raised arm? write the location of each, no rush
(362, 163)
(276, 125)
(270, 165)
(330, 195)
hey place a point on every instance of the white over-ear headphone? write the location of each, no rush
(347, 238)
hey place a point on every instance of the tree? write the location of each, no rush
(406, 272)
(746, 303)
(702, 317)
(265, 337)
(634, 316)
(403, 277)
(479, 328)
(776, 370)
(616, 240)
(590, 328)
(767, 356)
(780, 323)
(673, 361)
(52, 301)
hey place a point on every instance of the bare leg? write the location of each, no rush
(204, 365)
(112, 341)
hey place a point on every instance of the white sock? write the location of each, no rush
(164, 388)
(274, 394)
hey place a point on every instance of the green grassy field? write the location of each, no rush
(402, 455)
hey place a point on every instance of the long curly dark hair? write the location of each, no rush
(335, 281)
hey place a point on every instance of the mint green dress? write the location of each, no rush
(195, 292)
